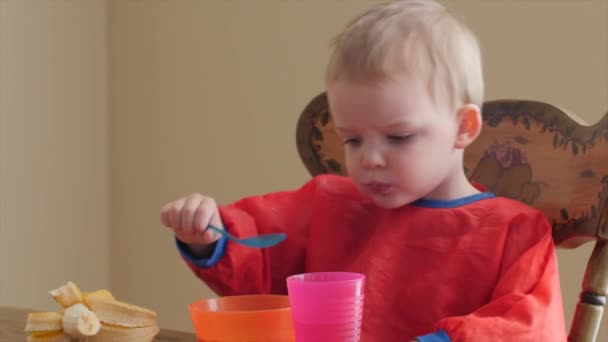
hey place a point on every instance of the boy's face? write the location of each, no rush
(399, 143)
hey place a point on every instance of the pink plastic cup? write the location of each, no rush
(327, 306)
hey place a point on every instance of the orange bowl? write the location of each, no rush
(260, 318)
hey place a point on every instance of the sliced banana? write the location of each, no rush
(112, 333)
(103, 293)
(91, 317)
(78, 321)
(48, 337)
(67, 295)
(121, 314)
(43, 321)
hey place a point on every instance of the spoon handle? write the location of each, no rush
(221, 231)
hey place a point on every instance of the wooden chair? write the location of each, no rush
(530, 151)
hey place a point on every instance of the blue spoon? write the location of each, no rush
(259, 241)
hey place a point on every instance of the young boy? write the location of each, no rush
(444, 260)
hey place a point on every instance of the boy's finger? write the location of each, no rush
(175, 213)
(201, 218)
(215, 220)
(188, 212)
(164, 215)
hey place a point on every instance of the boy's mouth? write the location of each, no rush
(378, 188)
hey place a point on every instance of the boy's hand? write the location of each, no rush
(189, 218)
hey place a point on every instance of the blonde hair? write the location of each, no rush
(418, 37)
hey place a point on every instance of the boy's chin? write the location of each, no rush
(391, 202)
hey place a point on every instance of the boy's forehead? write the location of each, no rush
(395, 79)
(350, 123)
(346, 119)
(406, 91)
(378, 92)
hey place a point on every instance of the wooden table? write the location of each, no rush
(12, 322)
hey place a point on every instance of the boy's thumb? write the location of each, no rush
(216, 221)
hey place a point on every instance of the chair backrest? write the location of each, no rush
(530, 151)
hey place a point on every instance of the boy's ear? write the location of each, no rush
(469, 125)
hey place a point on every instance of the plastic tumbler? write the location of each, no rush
(327, 306)
(259, 318)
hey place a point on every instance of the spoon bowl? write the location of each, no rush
(258, 241)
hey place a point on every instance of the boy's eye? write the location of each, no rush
(352, 141)
(399, 138)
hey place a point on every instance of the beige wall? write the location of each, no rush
(204, 96)
(54, 188)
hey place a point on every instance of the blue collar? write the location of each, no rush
(453, 203)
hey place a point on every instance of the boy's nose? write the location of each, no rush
(373, 159)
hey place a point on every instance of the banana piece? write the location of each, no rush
(112, 333)
(91, 317)
(78, 321)
(121, 314)
(58, 336)
(43, 321)
(67, 295)
(103, 293)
